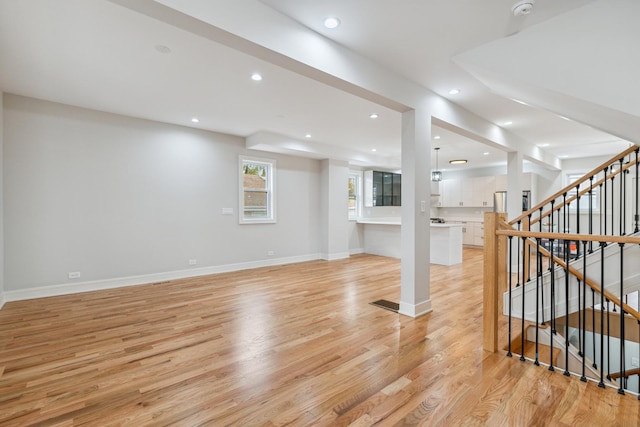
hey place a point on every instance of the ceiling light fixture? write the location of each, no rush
(256, 77)
(486, 153)
(374, 150)
(436, 137)
(436, 175)
(308, 135)
(509, 123)
(331, 22)
(454, 91)
(546, 144)
(523, 7)
(458, 162)
(373, 116)
(163, 49)
(195, 120)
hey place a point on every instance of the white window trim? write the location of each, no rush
(271, 198)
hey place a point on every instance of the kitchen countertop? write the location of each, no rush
(389, 221)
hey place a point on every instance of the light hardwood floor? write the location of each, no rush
(290, 345)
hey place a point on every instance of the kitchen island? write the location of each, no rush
(382, 237)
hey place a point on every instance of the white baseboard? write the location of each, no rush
(97, 285)
(1, 300)
(356, 251)
(415, 310)
(335, 256)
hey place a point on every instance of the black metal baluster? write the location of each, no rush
(613, 206)
(583, 378)
(578, 208)
(553, 314)
(540, 266)
(591, 212)
(524, 255)
(510, 285)
(537, 362)
(608, 341)
(604, 212)
(622, 334)
(566, 300)
(623, 202)
(601, 383)
(518, 266)
(593, 328)
(637, 215)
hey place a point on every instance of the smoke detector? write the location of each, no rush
(523, 7)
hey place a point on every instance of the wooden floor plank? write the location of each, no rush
(297, 345)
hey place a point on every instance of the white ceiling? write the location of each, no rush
(98, 54)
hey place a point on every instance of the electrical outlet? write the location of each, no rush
(193, 262)
(270, 253)
(634, 362)
(74, 275)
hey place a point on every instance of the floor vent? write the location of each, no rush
(387, 305)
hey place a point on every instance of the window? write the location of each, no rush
(257, 190)
(387, 188)
(354, 195)
(585, 199)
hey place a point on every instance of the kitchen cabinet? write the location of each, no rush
(468, 192)
(483, 189)
(472, 233)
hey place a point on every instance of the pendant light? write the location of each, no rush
(436, 175)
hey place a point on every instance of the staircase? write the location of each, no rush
(556, 285)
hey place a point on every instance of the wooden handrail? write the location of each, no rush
(593, 285)
(570, 236)
(628, 373)
(587, 176)
(582, 192)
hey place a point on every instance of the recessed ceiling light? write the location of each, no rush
(256, 77)
(374, 150)
(508, 123)
(457, 162)
(486, 153)
(195, 120)
(373, 116)
(163, 49)
(308, 135)
(436, 137)
(546, 144)
(454, 91)
(331, 22)
(564, 156)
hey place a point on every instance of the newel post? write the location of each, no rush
(494, 279)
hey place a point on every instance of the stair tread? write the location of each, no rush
(544, 351)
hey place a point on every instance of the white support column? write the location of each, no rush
(514, 184)
(2, 200)
(335, 205)
(514, 197)
(415, 293)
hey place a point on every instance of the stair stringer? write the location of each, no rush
(631, 273)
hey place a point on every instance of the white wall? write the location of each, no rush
(111, 197)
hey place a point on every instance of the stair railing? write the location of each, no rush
(562, 262)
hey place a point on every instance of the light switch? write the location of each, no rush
(423, 206)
